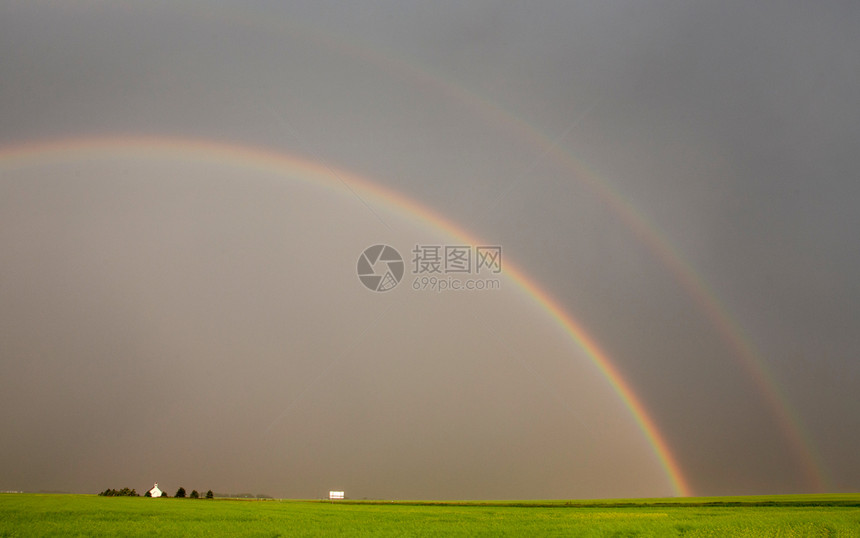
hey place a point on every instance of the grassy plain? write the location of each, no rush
(89, 515)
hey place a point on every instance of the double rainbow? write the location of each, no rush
(644, 229)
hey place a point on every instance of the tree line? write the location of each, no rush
(180, 493)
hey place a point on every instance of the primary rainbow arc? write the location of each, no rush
(315, 173)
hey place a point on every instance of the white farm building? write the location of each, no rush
(155, 492)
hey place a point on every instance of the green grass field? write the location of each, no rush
(87, 515)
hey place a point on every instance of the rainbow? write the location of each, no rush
(317, 173)
(644, 229)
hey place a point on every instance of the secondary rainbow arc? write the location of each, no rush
(715, 311)
(313, 172)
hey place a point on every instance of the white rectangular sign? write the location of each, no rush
(335, 495)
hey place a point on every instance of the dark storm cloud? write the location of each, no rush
(730, 127)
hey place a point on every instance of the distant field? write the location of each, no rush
(87, 515)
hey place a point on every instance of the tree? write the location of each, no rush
(124, 492)
(180, 493)
(194, 494)
(210, 495)
(147, 494)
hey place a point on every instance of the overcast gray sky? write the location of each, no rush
(681, 177)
